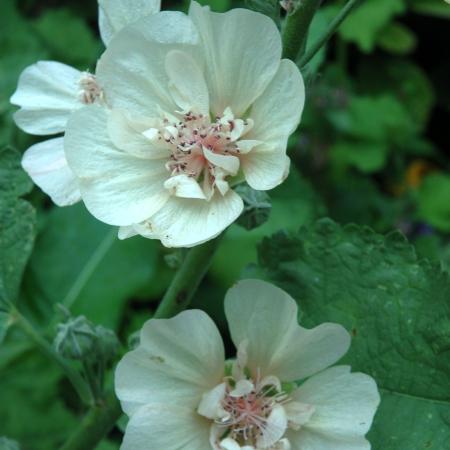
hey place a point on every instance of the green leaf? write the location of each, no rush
(8, 444)
(363, 26)
(365, 156)
(34, 396)
(396, 308)
(5, 322)
(436, 8)
(78, 261)
(68, 37)
(17, 223)
(434, 201)
(398, 39)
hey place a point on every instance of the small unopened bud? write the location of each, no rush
(107, 344)
(257, 207)
(75, 339)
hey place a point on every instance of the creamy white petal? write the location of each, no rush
(274, 429)
(184, 186)
(188, 86)
(113, 15)
(242, 49)
(166, 427)
(132, 134)
(177, 361)
(276, 114)
(116, 187)
(309, 440)
(184, 222)
(211, 404)
(126, 232)
(344, 405)
(132, 69)
(298, 413)
(47, 166)
(229, 163)
(47, 93)
(266, 316)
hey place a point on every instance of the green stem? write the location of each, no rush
(193, 268)
(296, 28)
(95, 425)
(332, 27)
(78, 382)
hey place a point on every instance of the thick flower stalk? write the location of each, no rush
(183, 107)
(49, 92)
(278, 394)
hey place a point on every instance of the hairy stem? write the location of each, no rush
(95, 425)
(332, 27)
(81, 387)
(193, 268)
(296, 28)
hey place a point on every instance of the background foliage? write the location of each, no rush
(371, 151)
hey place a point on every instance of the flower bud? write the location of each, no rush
(75, 339)
(107, 344)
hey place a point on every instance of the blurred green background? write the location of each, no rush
(372, 149)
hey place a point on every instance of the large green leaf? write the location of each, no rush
(17, 222)
(434, 201)
(395, 306)
(78, 261)
(365, 24)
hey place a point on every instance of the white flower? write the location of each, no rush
(180, 393)
(49, 92)
(195, 103)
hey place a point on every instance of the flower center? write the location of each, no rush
(204, 150)
(89, 91)
(249, 413)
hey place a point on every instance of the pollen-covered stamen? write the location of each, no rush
(250, 410)
(90, 91)
(205, 150)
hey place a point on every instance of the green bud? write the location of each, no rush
(107, 344)
(257, 207)
(75, 339)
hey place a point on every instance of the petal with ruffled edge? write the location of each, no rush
(344, 407)
(166, 427)
(46, 164)
(266, 316)
(132, 69)
(177, 361)
(47, 93)
(276, 114)
(113, 15)
(242, 49)
(117, 187)
(185, 222)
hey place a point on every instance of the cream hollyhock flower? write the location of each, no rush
(49, 92)
(180, 393)
(195, 103)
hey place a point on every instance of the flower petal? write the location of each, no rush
(47, 166)
(243, 50)
(177, 361)
(132, 70)
(47, 93)
(276, 114)
(344, 407)
(184, 222)
(188, 85)
(267, 317)
(113, 15)
(184, 186)
(117, 188)
(166, 427)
